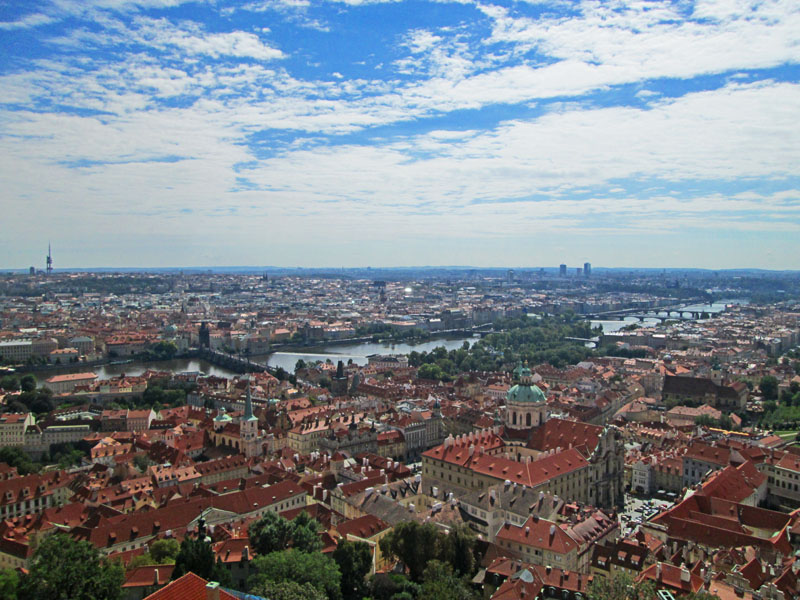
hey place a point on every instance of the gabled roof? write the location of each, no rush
(561, 433)
(538, 533)
(188, 587)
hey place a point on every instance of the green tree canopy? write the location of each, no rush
(355, 561)
(14, 457)
(10, 383)
(769, 387)
(440, 583)
(9, 583)
(288, 590)
(197, 556)
(272, 533)
(65, 569)
(621, 587)
(163, 550)
(27, 383)
(414, 544)
(300, 567)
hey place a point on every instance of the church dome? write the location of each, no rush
(526, 392)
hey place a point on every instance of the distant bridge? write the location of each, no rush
(234, 362)
(664, 313)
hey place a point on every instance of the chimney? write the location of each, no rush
(246, 553)
(658, 572)
(212, 590)
(552, 530)
(685, 575)
(155, 576)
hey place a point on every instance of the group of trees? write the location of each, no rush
(30, 399)
(64, 569)
(15, 383)
(290, 566)
(161, 552)
(197, 556)
(384, 331)
(522, 339)
(724, 422)
(439, 564)
(781, 411)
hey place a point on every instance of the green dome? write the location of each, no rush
(525, 393)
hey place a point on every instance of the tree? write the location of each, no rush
(355, 561)
(300, 364)
(414, 544)
(27, 383)
(439, 583)
(271, 533)
(458, 549)
(165, 550)
(769, 387)
(197, 556)
(14, 457)
(288, 590)
(301, 567)
(621, 587)
(392, 586)
(9, 582)
(165, 350)
(305, 533)
(10, 383)
(142, 461)
(65, 569)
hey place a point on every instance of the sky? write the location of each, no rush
(154, 133)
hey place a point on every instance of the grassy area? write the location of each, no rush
(787, 435)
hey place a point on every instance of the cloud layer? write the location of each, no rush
(191, 133)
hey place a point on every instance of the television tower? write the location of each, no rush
(49, 260)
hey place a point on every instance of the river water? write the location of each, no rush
(335, 352)
(357, 352)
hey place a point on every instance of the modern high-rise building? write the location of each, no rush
(562, 270)
(587, 269)
(578, 272)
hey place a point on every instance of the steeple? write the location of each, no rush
(248, 405)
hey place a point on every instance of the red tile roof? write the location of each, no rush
(188, 587)
(538, 533)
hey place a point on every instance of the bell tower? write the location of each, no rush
(248, 428)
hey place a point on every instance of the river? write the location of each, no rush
(357, 352)
(287, 360)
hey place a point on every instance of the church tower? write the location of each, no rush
(248, 428)
(526, 404)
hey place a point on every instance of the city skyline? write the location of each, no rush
(352, 133)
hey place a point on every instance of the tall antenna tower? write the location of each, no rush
(49, 260)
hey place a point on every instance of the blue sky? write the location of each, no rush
(362, 132)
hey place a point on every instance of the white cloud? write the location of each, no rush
(612, 43)
(28, 21)
(188, 37)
